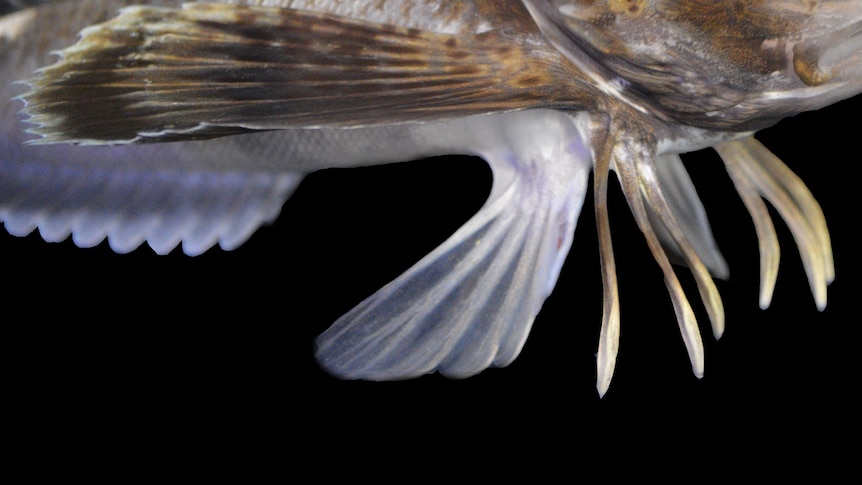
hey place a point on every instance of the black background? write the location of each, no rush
(221, 344)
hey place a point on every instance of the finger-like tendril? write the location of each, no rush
(758, 172)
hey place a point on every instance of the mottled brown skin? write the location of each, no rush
(699, 64)
(707, 63)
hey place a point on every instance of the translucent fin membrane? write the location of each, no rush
(758, 174)
(470, 303)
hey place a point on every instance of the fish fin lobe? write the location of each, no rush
(205, 70)
(470, 303)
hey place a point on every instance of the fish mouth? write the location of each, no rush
(832, 58)
(845, 58)
(828, 68)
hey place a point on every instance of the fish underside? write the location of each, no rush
(193, 123)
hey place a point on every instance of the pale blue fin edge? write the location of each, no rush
(128, 207)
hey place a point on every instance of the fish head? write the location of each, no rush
(732, 65)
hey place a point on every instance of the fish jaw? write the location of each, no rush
(828, 62)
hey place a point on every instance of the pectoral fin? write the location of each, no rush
(470, 304)
(206, 70)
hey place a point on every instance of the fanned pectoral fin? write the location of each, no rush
(155, 74)
(469, 304)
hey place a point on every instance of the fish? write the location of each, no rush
(189, 124)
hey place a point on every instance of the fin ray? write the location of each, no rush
(129, 207)
(471, 302)
(210, 70)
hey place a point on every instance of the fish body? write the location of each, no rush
(195, 122)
